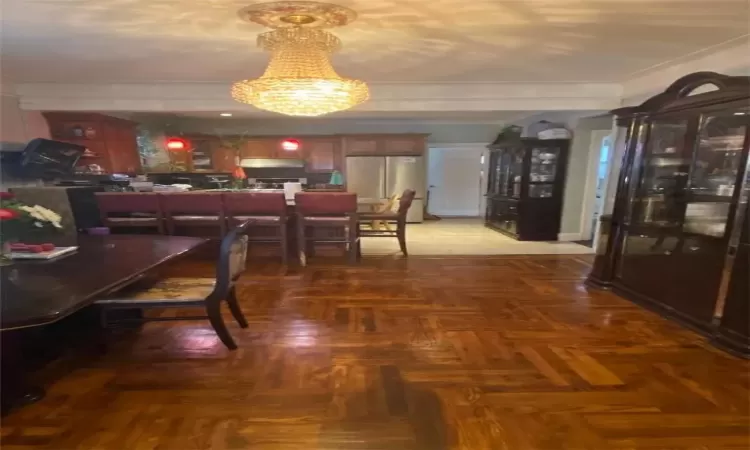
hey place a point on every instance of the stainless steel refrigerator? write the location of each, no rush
(380, 177)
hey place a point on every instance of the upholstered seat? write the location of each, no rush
(192, 218)
(165, 290)
(134, 220)
(273, 219)
(334, 211)
(321, 219)
(266, 212)
(189, 209)
(123, 210)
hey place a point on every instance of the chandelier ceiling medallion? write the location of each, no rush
(299, 79)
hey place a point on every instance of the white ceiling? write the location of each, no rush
(109, 41)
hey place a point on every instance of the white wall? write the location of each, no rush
(577, 173)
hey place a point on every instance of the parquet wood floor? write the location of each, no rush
(426, 354)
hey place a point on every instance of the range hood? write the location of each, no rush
(264, 163)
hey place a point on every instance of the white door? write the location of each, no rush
(454, 179)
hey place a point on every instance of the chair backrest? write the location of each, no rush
(127, 202)
(258, 203)
(232, 258)
(206, 203)
(325, 203)
(405, 202)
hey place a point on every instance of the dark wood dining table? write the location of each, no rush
(41, 292)
(36, 294)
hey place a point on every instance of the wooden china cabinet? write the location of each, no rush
(678, 235)
(526, 179)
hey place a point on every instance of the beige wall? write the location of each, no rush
(17, 127)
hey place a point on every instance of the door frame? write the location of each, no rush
(483, 173)
(589, 194)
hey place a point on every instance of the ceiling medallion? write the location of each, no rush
(299, 79)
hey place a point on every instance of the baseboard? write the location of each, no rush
(567, 237)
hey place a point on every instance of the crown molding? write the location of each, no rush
(208, 97)
(729, 58)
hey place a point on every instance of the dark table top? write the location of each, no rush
(39, 292)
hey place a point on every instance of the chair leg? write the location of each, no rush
(170, 227)
(401, 235)
(103, 317)
(353, 238)
(284, 244)
(301, 242)
(234, 307)
(217, 322)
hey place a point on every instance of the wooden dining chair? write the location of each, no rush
(193, 209)
(208, 293)
(140, 210)
(329, 217)
(266, 213)
(398, 218)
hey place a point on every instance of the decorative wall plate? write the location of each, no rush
(297, 13)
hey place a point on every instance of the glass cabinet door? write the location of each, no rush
(493, 182)
(660, 197)
(515, 172)
(542, 172)
(713, 174)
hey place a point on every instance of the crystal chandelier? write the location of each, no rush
(299, 79)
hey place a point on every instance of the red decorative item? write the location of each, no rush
(8, 214)
(176, 144)
(290, 145)
(6, 195)
(239, 173)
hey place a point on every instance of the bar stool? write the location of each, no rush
(335, 212)
(130, 210)
(262, 210)
(199, 209)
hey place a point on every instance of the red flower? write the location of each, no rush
(6, 195)
(8, 214)
(239, 173)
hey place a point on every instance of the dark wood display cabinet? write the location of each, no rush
(525, 187)
(678, 238)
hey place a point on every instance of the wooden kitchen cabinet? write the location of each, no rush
(385, 145)
(111, 141)
(404, 145)
(322, 154)
(259, 148)
(362, 145)
(223, 159)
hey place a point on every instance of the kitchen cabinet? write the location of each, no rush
(385, 145)
(677, 242)
(362, 145)
(322, 154)
(525, 187)
(223, 159)
(407, 145)
(259, 148)
(111, 141)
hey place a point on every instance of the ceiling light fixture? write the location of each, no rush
(226, 114)
(299, 79)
